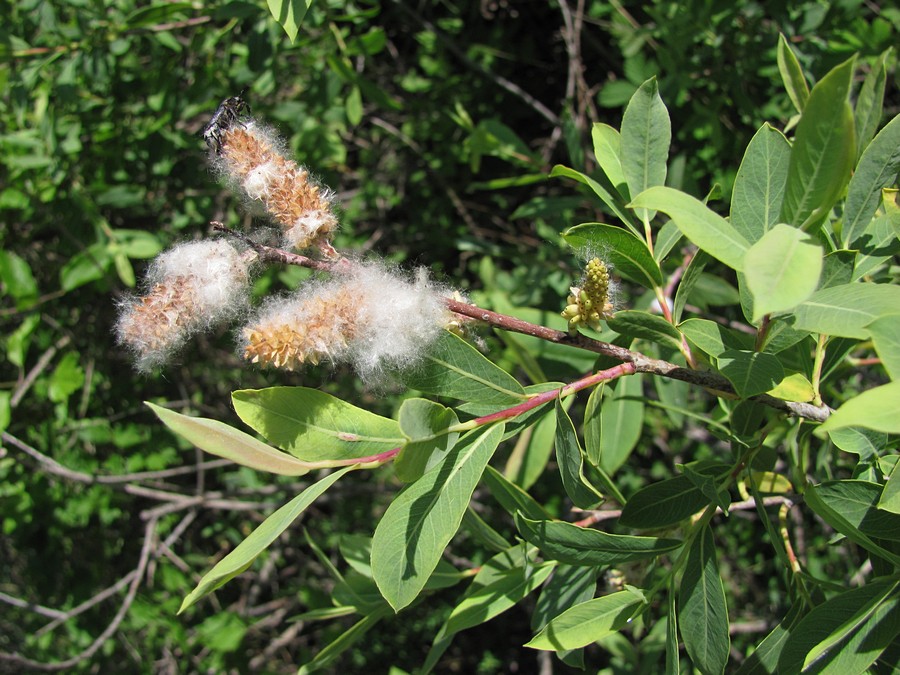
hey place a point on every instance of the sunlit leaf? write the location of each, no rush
(269, 530)
(423, 518)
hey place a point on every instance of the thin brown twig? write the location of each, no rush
(38, 368)
(136, 576)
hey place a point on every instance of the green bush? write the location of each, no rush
(408, 115)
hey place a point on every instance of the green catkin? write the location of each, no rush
(589, 303)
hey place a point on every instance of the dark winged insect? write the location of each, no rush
(228, 113)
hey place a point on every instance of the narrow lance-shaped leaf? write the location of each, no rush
(824, 150)
(585, 546)
(870, 102)
(847, 633)
(603, 189)
(588, 622)
(702, 613)
(645, 139)
(271, 528)
(608, 151)
(666, 502)
(618, 422)
(571, 463)
(792, 74)
(422, 520)
(222, 440)
(831, 509)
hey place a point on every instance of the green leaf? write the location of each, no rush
(792, 74)
(612, 432)
(289, 14)
(857, 503)
(870, 102)
(759, 185)
(847, 633)
(824, 150)
(794, 387)
(85, 266)
(421, 521)
(846, 310)
(488, 597)
(456, 369)
(5, 409)
(602, 188)
(217, 438)
(667, 502)
(859, 440)
(673, 660)
(646, 326)
(879, 241)
(483, 533)
(873, 409)
(666, 238)
(702, 612)
(17, 279)
(425, 424)
(588, 622)
(838, 508)
(688, 280)
(698, 222)
(269, 530)
(344, 640)
(575, 545)
(629, 255)
(782, 270)
(886, 338)
(708, 485)
(67, 378)
(529, 458)
(569, 586)
(511, 497)
(877, 169)
(571, 463)
(645, 139)
(764, 659)
(503, 580)
(890, 496)
(607, 149)
(750, 372)
(315, 426)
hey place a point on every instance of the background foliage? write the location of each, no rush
(437, 124)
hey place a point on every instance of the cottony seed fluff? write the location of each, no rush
(192, 287)
(371, 317)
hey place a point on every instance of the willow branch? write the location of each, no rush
(714, 382)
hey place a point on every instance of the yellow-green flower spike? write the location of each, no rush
(589, 303)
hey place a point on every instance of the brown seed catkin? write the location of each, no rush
(291, 198)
